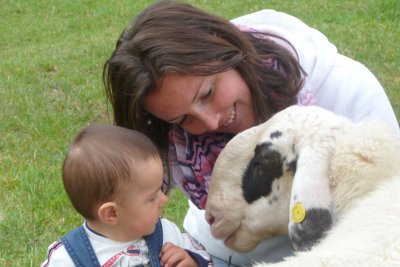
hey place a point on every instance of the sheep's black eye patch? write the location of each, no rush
(262, 170)
(292, 165)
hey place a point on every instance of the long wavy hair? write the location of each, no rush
(174, 37)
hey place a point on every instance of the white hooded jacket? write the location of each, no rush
(338, 83)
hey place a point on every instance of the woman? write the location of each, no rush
(190, 80)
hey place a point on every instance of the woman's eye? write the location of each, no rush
(182, 121)
(208, 94)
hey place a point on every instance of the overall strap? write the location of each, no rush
(79, 248)
(154, 243)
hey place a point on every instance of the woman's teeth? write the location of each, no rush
(231, 117)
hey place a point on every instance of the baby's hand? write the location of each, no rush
(172, 256)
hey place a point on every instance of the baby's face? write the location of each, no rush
(144, 200)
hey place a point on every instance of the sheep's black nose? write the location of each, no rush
(210, 219)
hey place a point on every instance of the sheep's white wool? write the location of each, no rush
(368, 235)
(302, 172)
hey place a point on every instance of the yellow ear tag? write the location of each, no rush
(298, 213)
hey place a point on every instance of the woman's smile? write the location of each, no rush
(231, 118)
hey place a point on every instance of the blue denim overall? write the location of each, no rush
(79, 248)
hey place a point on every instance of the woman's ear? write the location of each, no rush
(108, 213)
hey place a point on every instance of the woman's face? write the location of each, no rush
(199, 104)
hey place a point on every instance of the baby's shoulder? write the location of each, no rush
(57, 255)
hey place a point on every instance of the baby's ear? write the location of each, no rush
(107, 213)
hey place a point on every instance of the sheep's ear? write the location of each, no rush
(262, 170)
(311, 206)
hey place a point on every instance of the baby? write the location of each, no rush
(113, 177)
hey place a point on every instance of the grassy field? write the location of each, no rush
(51, 57)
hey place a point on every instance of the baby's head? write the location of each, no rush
(114, 175)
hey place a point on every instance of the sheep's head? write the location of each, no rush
(250, 186)
(264, 174)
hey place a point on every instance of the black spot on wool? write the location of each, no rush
(262, 170)
(275, 134)
(315, 226)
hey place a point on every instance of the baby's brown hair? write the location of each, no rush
(100, 161)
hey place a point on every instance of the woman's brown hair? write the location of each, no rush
(176, 37)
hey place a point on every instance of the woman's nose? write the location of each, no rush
(210, 121)
(205, 122)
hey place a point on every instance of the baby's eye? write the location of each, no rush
(152, 198)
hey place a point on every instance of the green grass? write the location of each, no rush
(51, 57)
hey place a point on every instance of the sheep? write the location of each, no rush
(368, 235)
(315, 176)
